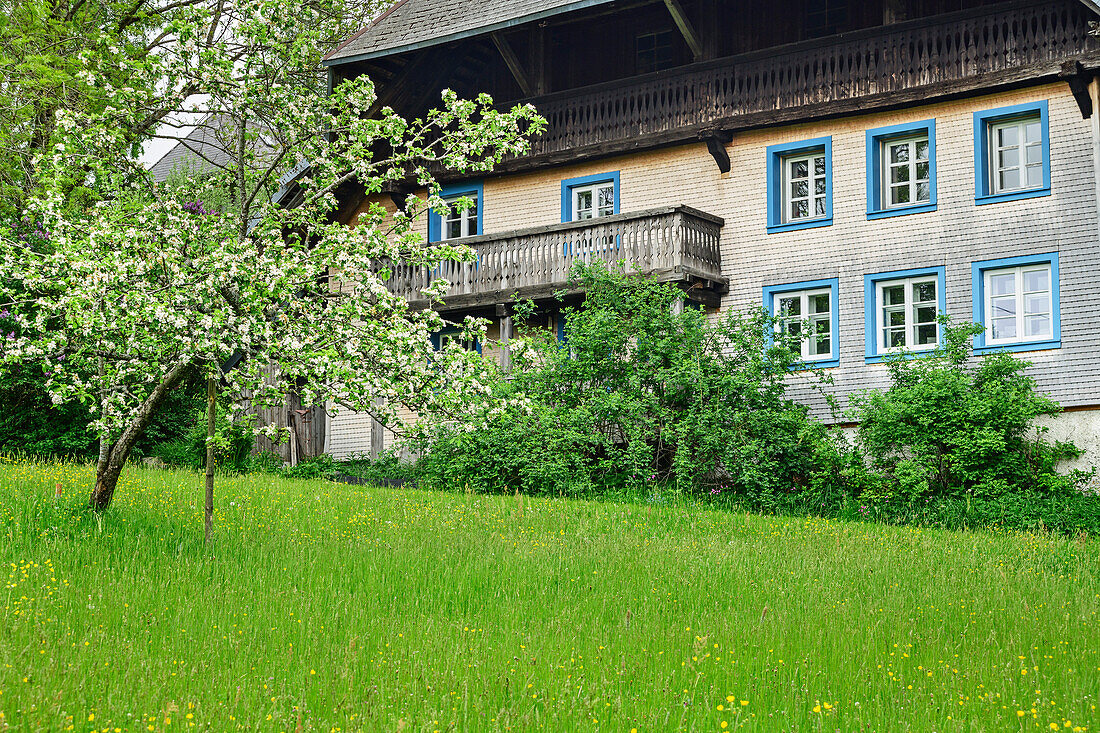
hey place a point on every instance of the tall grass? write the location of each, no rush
(326, 607)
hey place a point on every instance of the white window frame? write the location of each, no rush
(466, 217)
(594, 189)
(1021, 124)
(1021, 303)
(812, 196)
(910, 309)
(887, 166)
(804, 317)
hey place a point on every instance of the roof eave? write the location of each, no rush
(1093, 5)
(483, 30)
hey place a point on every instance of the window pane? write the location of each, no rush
(1007, 136)
(1036, 280)
(893, 295)
(820, 346)
(819, 186)
(1004, 328)
(924, 192)
(584, 213)
(1002, 307)
(1034, 176)
(1009, 179)
(1033, 132)
(926, 335)
(790, 306)
(454, 229)
(899, 194)
(821, 326)
(800, 189)
(1038, 303)
(922, 150)
(899, 153)
(584, 199)
(800, 210)
(794, 329)
(1009, 158)
(922, 171)
(924, 292)
(926, 314)
(1002, 283)
(819, 165)
(819, 207)
(895, 318)
(819, 303)
(1034, 154)
(895, 338)
(607, 196)
(1037, 326)
(800, 169)
(899, 174)
(471, 228)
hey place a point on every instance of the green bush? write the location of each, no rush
(645, 391)
(387, 467)
(956, 438)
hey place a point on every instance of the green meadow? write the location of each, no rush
(326, 607)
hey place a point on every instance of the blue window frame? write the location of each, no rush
(812, 304)
(800, 185)
(1016, 299)
(901, 309)
(901, 169)
(591, 188)
(469, 220)
(1011, 153)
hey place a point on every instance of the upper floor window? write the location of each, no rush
(901, 169)
(461, 219)
(826, 17)
(902, 311)
(1011, 153)
(653, 51)
(807, 315)
(1016, 299)
(800, 185)
(589, 197)
(463, 214)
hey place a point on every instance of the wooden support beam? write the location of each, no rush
(686, 28)
(504, 313)
(716, 145)
(513, 63)
(1073, 72)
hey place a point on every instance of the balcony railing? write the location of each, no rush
(675, 243)
(993, 44)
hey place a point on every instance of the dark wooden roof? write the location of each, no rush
(413, 24)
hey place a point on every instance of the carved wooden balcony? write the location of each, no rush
(967, 51)
(673, 244)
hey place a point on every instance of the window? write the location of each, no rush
(590, 196)
(460, 221)
(1016, 299)
(653, 51)
(800, 185)
(809, 310)
(902, 311)
(826, 17)
(457, 221)
(901, 169)
(1011, 153)
(453, 334)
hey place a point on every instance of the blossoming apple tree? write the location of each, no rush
(140, 284)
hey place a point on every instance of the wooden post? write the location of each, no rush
(377, 439)
(211, 415)
(505, 315)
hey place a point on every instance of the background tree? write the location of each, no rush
(142, 285)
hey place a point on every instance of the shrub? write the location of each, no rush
(645, 390)
(957, 436)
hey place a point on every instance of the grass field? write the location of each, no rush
(328, 607)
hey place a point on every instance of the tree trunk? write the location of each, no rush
(111, 464)
(211, 415)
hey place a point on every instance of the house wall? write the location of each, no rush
(957, 234)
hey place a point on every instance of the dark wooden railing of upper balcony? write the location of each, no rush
(672, 244)
(993, 46)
